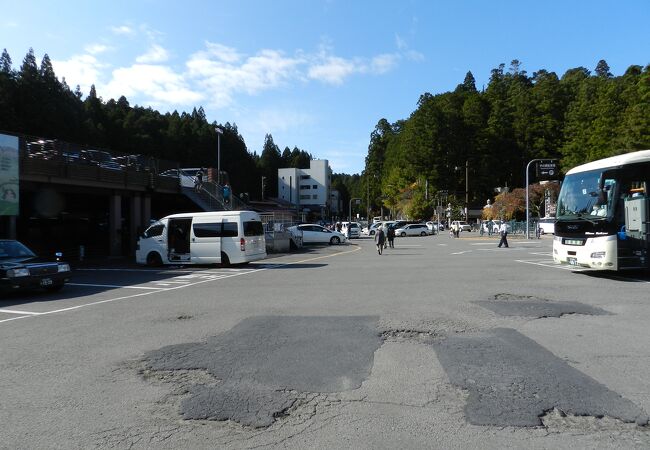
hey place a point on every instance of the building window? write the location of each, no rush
(304, 186)
(315, 186)
(304, 197)
(315, 196)
(305, 177)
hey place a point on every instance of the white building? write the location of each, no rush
(307, 189)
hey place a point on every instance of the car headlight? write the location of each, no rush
(15, 273)
(64, 267)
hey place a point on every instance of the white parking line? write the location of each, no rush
(158, 290)
(460, 253)
(13, 311)
(109, 286)
(553, 265)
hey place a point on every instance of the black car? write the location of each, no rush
(20, 268)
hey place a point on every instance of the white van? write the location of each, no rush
(226, 237)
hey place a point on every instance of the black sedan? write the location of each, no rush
(20, 268)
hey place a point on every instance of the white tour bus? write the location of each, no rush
(225, 237)
(603, 214)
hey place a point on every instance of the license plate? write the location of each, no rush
(572, 261)
(46, 282)
(573, 242)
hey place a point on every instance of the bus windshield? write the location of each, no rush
(581, 196)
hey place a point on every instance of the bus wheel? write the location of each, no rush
(154, 259)
(225, 261)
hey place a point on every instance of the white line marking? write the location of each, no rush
(553, 265)
(13, 311)
(460, 253)
(109, 286)
(156, 290)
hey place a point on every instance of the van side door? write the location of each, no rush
(206, 241)
(178, 239)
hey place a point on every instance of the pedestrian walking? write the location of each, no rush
(503, 231)
(198, 180)
(391, 237)
(380, 240)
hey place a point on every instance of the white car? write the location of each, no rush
(351, 229)
(546, 225)
(433, 225)
(464, 226)
(316, 234)
(496, 225)
(373, 228)
(413, 229)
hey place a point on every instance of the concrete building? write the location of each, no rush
(309, 190)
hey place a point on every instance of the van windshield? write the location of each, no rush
(253, 228)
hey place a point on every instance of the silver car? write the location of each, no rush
(413, 229)
(316, 234)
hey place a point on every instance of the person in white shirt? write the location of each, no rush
(503, 231)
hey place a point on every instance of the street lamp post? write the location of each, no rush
(357, 201)
(219, 133)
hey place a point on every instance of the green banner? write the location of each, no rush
(8, 175)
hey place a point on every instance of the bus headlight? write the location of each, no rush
(596, 255)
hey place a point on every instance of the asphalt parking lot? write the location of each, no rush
(439, 342)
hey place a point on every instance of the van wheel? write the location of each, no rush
(335, 240)
(225, 261)
(154, 259)
(403, 234)
(423, 234)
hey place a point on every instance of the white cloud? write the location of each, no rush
(332, 70)
(223, 72)
(156, 54)
(123, 30)
(154, 83)
(95, 49)
(384, 63)
(82, 70)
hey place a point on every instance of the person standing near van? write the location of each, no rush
(503, 230)
(380, 239)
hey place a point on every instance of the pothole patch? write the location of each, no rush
(513, 381)
(528, 306)
(264, 363)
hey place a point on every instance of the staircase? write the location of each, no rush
(210, 198)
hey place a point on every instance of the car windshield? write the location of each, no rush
(14, 249)
(582, 196)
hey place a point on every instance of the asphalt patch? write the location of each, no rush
(263, 359)
(513, 381)
(525, 306)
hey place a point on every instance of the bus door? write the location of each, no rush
(178, 239)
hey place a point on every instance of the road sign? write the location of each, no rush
(547, 170)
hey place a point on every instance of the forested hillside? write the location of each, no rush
(34, 102)
(489, 133)
(496, 131)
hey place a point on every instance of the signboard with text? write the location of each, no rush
(547, 170)
(8, 175)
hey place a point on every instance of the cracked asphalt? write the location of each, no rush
(438, 343)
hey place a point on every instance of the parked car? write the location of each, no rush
(21, 269)
(496, 224)
(464, 226)
(315, 234)
(546, 225)
(351, 229)
(100, 158)
(413, 229)
(373, 228)
(433, 225)
(185, 175)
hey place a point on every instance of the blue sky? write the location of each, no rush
(317, 74)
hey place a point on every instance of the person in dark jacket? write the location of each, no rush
(391, 237)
